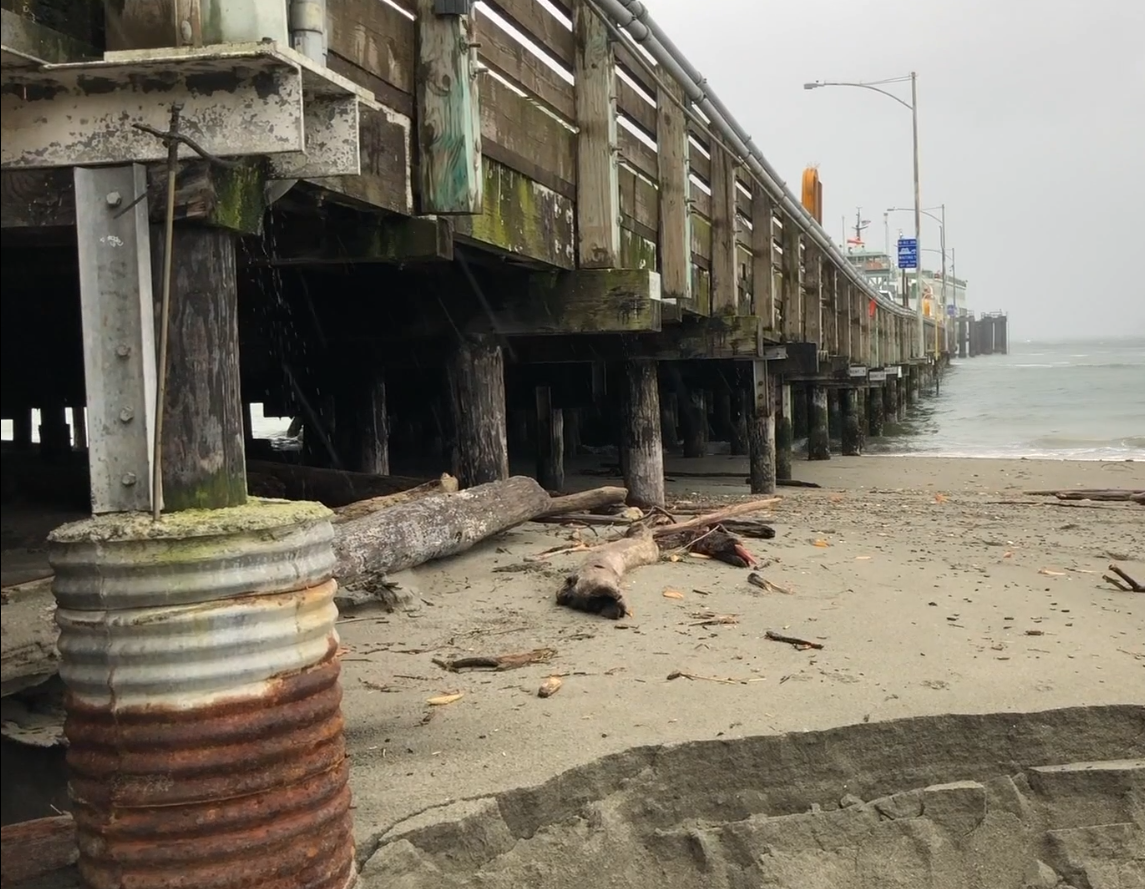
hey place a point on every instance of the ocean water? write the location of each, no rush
(1068, 400)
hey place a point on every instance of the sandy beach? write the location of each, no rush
(934, 586)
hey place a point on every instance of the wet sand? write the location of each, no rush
(940, 589)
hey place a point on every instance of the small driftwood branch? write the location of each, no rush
(586, 501)
(498, 661)
(595, 587)
(1134, 586)
(717, 517)
(764, 584)
(793, 640)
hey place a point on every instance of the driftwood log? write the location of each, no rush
(433, 527)
(447, 484)
(28, 654)
(1131, 495)
(333, 487)
(595, 587)
(586, 501)
(30, 850)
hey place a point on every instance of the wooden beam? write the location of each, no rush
(229, 198)
(725, 284)
(587, 301)
(763, 261)
(675, 215)
(385, 239)
(449, 123)
(598, 191)
(118, 335)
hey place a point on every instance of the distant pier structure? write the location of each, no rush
(984, 335)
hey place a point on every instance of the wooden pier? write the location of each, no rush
(452, 238)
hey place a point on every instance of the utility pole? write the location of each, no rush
(917, 213)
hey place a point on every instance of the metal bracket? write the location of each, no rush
(238, 100)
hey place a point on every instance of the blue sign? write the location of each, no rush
(908, 253)
(952, 310)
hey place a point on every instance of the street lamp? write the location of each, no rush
(911, 106)
(941, 220)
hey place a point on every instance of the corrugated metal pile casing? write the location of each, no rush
(204, 714)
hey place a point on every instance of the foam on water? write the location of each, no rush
(1063, 401)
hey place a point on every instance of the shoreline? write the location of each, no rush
(935, 586)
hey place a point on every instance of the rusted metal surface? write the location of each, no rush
(205, 734)
(238, 100)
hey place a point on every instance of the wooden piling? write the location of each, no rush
(852, 429)
(476, 375)
(800, 411)
(79, 427)
(571, 421)
(55, 435)
(669, 428)
(696, 424)
(739, 435)
(890, 405)
(784, 436)
(835, 413)
(759, 409)
(643, 450)
(876, 409)
(818, 435)
(204, 460)
(550, 442)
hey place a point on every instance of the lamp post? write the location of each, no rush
(911, 106)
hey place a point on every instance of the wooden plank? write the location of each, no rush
(448, 123)
(634, 106)
(518, 134)
(639, 204)
(24, 35)
(30, 850)
(763, 257)
(725, 286)
(701, 202)
(531, 18)
(515, 63)
(636, 153)
(375, 37)
(117, 316)
(521, 217)
(597, 192)
(699, 163)
(701, 240)
(636, 251)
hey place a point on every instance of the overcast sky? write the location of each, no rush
(1032, 130)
